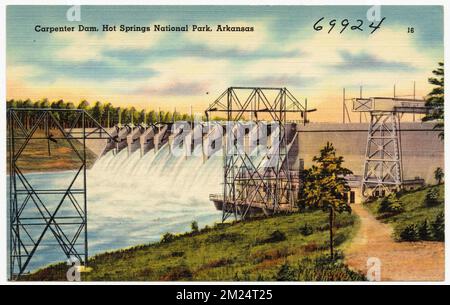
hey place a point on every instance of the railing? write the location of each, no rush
(388, 104)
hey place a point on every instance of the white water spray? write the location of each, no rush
(134, 199)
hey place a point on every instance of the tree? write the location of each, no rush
(118, 116)
(132, 115)
(439, 175)
(83, 105)
(125, 116)
(143, 116)
(27, 104)
(11, 104)
(438, 227)
(152, 117)
(194, 227)
(45, 103)
(160, 117)
(71, 116)
(424, 230)
(435, 100)
(167, 117)
(97, 112)
(108, 114)
(325, 186)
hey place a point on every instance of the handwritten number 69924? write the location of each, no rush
(345, 24)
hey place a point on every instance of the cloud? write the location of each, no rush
(225, 40)
(87, 46)
(98, 70)
(182, 69)
(173, 89)
(277, 80)
(365, 61)
(189, 49)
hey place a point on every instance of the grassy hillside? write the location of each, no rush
(414, 212)
(283, 247)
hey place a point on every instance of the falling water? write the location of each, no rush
(134, 200)
(141, 198)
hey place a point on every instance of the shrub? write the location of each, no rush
(167, 238)
(194, 227)
(325, 268)
(395, 208)
(409, 233)
(221, 237)
(276, 236)
(177, 273)
(391, 204)
(286, 273)
(438, 227)
(384, 205)
(306, 230)
(432, 197)
(424, 231)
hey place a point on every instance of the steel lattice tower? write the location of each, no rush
(383, 172)
(40, 213)
(383, 161)
(248, 183)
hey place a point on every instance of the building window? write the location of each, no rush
(352, 197)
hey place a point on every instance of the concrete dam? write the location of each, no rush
(422, 151)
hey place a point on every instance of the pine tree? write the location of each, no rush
(438, 227)
(439, 175)
(435, 100)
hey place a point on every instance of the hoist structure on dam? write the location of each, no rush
(383, 171)
(262, 183)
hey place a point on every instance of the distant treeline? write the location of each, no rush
(104, 113)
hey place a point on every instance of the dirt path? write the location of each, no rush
(406, 261)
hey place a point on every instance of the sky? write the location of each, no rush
(182, 69)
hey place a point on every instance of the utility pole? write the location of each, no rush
(414, 97)
(360, 96)
(343, 106)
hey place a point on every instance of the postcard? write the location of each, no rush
(224, 143)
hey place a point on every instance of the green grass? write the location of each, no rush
(415, 211)
(238, 251)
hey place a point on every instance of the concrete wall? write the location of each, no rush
(422, 150)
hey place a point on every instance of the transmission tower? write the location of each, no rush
(42, 215)
(383, 172)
